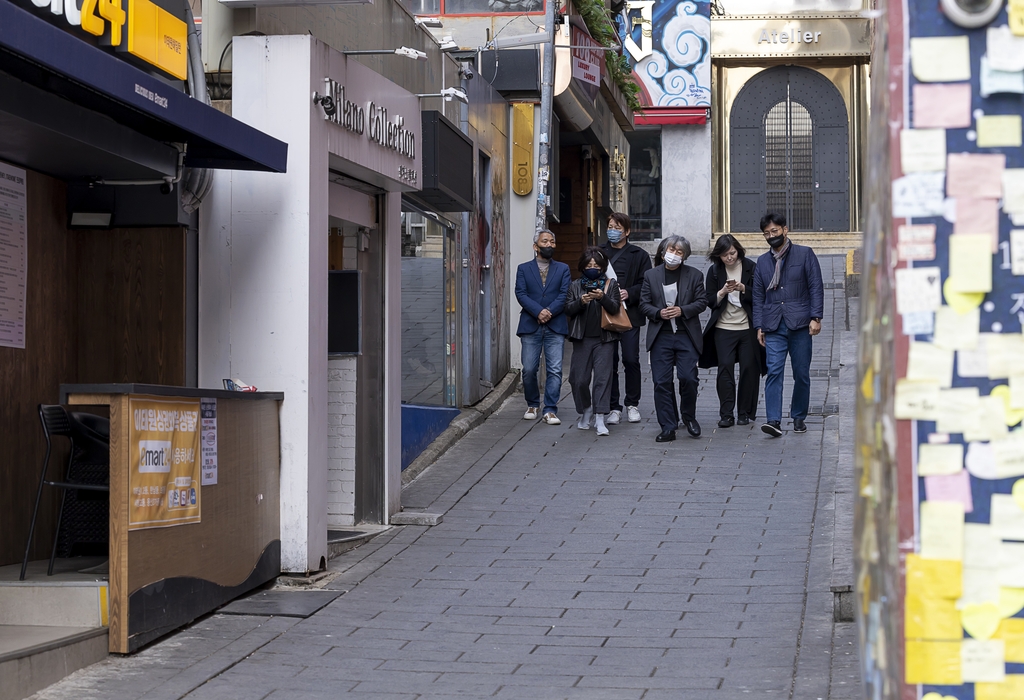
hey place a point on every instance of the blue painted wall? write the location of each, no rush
(420, 426)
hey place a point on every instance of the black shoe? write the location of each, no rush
(692, 427)
(726, 422)
(743, 420)
(799, 426)
(773, 428)
(666, 436)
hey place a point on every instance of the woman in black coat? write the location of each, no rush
(729, 336)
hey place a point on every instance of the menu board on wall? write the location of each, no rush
(13, 255)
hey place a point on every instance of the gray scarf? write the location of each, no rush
(778, 255)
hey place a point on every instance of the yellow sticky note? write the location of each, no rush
(956, 331)
(1016, 391)
(934, 577)
(1003, 352)
(931, 618)
(1007, 518)
(937, 460)
(959, 410)
(980, 620)
(929, 362)
(916, 400)
(1002, 392)
(1012, 634)
(970, 262)
(1009, 456)
(992, 424)
(944, 59)
(1012, 688)
(998, 130)
(942, 530)
(981, 661)
(936, 663)
(981, 546)
(923, 150)
(980, 585)
(1011, 601)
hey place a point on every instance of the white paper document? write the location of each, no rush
(13, 255)
(919, 195)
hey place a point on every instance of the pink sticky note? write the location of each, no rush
(978, 216)
(942, 106)
(975, 175)
(954, 488)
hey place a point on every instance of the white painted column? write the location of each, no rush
(686, 183)
(393, 352)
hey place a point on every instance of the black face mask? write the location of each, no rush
(776, 241)
(546, 251)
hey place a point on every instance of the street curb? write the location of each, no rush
(468, 419)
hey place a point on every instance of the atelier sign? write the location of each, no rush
(749, 37)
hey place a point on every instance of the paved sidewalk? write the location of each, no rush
(567, 566)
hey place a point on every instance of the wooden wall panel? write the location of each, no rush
(32, 376)
(571, 236)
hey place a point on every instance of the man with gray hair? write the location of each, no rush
(673, 297)
(541, 286)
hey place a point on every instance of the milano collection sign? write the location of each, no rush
(373, 120)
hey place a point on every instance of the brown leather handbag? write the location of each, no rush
(617, 323)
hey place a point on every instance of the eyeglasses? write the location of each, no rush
(769, 232)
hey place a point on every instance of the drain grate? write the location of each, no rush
(824, 372)
(829, 409)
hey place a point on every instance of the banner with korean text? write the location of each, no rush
(165, 466)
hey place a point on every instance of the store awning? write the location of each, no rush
(672, 115)
(43, 56)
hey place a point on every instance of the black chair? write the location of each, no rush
(87, 474)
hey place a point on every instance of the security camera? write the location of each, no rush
(166, 187)
(466, 71)
(326, 102)
(971, 14)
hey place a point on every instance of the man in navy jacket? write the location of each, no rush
(541, 286)
(788, 306)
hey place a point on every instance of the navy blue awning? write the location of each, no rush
(40, 54)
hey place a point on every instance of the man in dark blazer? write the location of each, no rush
(541, 286)
(630, 263)
(788, 306)
(672, 298)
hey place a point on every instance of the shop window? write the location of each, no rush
(645, 184)
(473, 7)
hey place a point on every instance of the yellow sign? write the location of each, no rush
(163, 441)
(522, 148)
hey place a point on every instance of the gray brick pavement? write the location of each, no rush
(567, 566)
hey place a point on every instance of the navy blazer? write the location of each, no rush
(800, 296)
(535, 296)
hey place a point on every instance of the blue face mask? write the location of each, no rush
(614, 235)
(591, 273)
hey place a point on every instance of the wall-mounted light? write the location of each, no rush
(434, 22)
(405, 51)
(448, 43)
(449, 94)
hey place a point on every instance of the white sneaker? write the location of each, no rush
(599, 423)
(551, 419)
(584, 421)
(613, 417)
(632, 414)
(532, 413)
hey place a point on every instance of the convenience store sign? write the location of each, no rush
(138, 27)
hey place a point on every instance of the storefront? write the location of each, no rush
(105, 155)
(790, 117)
(313, 263)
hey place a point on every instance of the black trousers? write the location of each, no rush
(630, 343)
(738, 347)
(591, 360)
(674, 351)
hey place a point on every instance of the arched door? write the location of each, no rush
(789, 152)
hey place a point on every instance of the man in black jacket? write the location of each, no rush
(630, 262)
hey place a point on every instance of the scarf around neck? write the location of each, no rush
(779, 256)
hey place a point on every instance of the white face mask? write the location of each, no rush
(673, 259)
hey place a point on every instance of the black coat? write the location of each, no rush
(690, 299)
(576, 309)
(630, 265)
(716, 279)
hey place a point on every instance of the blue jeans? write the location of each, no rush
(553, 345)
(797, 344)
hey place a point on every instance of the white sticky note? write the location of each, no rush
(918, 323)
(999, 131)
(1017, 251)
(995, 81)
(980, 461)
(955, 331)
(940, 460)
(942, 530)
(982, 661)
(918, 289)
(1011, 565)
(959, 410)
(929, 362)
(1004, 352)
(1007, 518)
(919, 195)
(923, 150)
(979, 585)
(1013, 190)
(1017, 390)
(1009, 455)
(1005, 51)
(972, 363)
(981, 546)
(941, 59)
(916, 400)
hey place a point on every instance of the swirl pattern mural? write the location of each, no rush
(669, 44)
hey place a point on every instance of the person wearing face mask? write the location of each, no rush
(672, 298)
(729, 336)
(630, 263)
(541, 286)
(592, 345)
(788, 306)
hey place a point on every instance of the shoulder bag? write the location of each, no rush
(617, 323)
